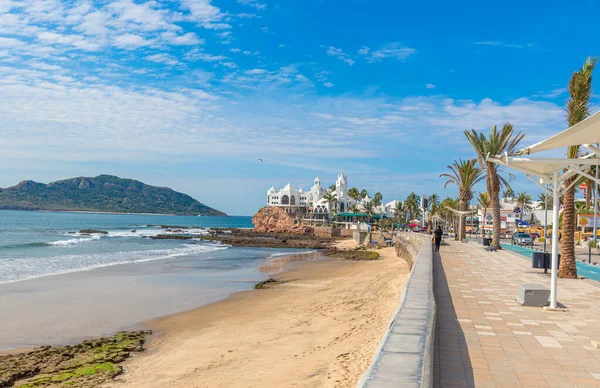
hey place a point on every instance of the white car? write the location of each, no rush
(522, 239)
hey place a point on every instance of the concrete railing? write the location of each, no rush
(405, 355)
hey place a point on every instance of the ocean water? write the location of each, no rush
(58, 286)
(38, 244)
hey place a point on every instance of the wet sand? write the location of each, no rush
(318, 329)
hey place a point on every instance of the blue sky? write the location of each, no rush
(190, 93)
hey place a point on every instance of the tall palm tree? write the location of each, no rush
(354, 193)
(578, 109)
(354, 209)
(524, 203)
(331, 199)
(496, 143)
(447, 214)
(508, 193)
(364, 193)
(412, 205)
(465, 174)
(484, 200)
(400, 212)
(377, 199)
(544, 199)
(434, 203)
(369, 209)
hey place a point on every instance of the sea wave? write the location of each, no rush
(73, 241)
(19, 269)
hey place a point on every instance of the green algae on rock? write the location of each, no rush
(88, 364)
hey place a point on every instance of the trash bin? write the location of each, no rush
(542, 260)
(487, 242)
(538, 260)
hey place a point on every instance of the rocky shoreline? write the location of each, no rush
(88, 364)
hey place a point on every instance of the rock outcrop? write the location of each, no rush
(275, 219)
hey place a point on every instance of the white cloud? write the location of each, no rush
(130, 41)
(205, 14)
(390, 50)
(255, 71)
(187, 39)
(496, 43)
(197, 54)
(245, 15)
(235, 50)
(163, 58)
(253, 3)
(328, 85)
(78, 41)
(339, 54)
(364, 50)
(430, 86)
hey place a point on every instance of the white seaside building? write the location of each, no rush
(313, 201)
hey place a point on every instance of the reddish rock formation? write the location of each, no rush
(275, 219)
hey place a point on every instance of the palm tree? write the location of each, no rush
(369, 208)
(544, 199)
(524, 203)
(412, 205)
(447, 214)
(465, 174)
(484, 201)
(399, 211)
(354, 194)
(434, 203)
(331, 199)
(364, 193)
(496, 143)
(508, 193)
(354, 209)
(377, 199)
(578, 109)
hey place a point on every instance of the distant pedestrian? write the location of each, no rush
(438, 238)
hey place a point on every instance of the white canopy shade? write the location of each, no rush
(541, 167)
(584, 132)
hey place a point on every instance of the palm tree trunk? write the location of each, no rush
(568, 267)
(462, 206)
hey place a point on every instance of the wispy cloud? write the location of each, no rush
(496, 43)
(390, 50)
(430, 86)
(253, 3)
(339, 54)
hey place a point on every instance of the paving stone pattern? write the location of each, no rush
(484, 338)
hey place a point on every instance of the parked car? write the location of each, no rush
(522, 239)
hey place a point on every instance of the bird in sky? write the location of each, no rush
(262, 160)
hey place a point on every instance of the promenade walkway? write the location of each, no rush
(484, 338)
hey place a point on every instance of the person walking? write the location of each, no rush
(437, 236)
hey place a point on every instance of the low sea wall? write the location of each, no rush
(405, 355)
(326, 232)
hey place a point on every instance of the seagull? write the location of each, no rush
(262, 160)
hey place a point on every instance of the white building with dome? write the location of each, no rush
(299, 201)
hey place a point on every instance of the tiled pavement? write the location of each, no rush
(484, 338)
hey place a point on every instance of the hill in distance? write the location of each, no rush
(104, 193)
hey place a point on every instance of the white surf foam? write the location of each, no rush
(19, 269)
(73, 241)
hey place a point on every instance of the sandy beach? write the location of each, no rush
(318, 329)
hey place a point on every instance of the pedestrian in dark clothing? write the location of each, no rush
(438, 238)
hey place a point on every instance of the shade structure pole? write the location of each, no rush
(545, 220)
(596, 205)
(555, 205)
